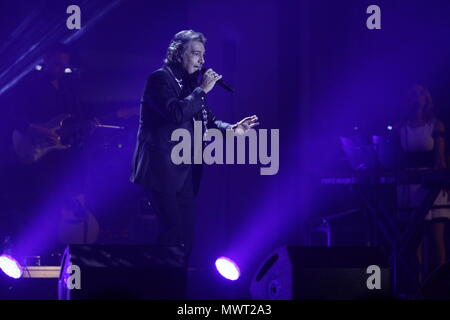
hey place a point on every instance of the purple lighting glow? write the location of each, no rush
(228, 268)
(10, 267)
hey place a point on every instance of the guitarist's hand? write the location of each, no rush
(46, 133)
(94, 123)
(91, 125)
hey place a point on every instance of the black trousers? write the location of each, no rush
(175, 214)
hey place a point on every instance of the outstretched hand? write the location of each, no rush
(245, 124)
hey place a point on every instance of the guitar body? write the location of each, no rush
(30, 147)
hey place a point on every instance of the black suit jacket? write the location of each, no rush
(171, 100)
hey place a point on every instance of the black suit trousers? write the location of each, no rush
(175, 214)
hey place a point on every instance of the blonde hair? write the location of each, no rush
(428, 113)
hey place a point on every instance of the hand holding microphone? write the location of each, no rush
(210, 77)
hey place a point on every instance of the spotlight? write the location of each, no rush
(389, 128)
(67, 70)
(38, 67)
(10, 266)
(227, 268)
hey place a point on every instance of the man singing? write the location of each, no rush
(173, 99)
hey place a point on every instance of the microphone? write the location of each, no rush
(220, 82)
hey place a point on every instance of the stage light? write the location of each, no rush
(10, 266)
(67, 70)
(355, 128)
(389, 128)
(38, 67)
(228, 268)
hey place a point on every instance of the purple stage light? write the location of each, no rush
(228, 268)
(10, 266)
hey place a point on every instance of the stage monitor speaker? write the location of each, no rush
(437, 285)
(122, 272)
(324, 273)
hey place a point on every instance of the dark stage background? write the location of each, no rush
(309, 68)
